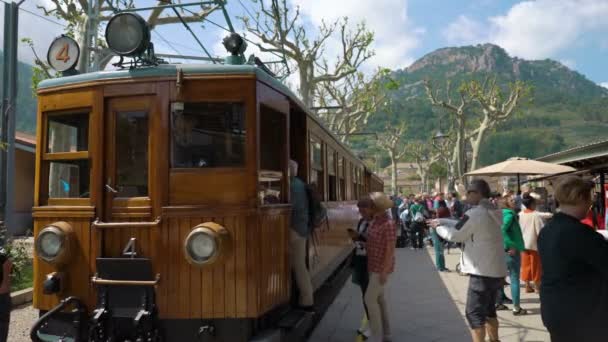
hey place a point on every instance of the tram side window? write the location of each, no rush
(331, 171)
(65, 157)
(273, 131)
(67, 133)
(316, 166)
(69, 179)
(342, 183)
(353, 182)
(207, 135)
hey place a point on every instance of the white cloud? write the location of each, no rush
(604, 84)
(41, 31)
(534, 29)
(570, 63)
(395, 35)
(464, 31)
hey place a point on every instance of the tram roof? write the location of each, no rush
(168, 70)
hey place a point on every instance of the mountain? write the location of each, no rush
(566, 109)
(26, 102)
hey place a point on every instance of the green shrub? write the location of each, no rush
(19, 256)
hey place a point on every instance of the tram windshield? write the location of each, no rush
(207, 135)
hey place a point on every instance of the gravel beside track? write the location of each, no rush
(22, 318)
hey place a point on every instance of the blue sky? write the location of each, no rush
(574, 32)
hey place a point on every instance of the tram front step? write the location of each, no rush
(296, 324)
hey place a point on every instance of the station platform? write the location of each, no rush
(425, 306)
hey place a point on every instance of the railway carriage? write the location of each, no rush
(162, 206)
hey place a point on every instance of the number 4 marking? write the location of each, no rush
(63, 54)
(130, 249)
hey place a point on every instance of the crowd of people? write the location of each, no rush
(556, 255)
(503, 237)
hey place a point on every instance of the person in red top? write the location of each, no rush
(380, 263)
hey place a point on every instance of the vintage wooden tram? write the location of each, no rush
(162, 206)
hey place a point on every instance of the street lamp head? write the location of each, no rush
(440, 136)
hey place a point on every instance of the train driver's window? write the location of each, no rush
(331, 171)
(316, 166)
(273, 156)
(208, 134)
(66, 157)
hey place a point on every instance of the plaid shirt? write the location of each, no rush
(381, 233)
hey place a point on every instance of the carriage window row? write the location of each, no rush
(337, 169)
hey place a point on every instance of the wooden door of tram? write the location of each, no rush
(127, 167)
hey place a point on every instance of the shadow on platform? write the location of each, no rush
(421, 308)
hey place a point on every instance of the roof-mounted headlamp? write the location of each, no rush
(128, 34)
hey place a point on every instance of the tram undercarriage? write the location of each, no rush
(126, 311)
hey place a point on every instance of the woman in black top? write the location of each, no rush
(359, 261)
(574, 286)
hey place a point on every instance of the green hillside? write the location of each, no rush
(26, 102)
(566, 109)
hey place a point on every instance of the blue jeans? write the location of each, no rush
(513, 265)
(438, 246)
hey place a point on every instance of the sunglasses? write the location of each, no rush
(471, 192)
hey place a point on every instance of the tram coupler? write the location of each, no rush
(55, 315)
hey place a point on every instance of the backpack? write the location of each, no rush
(316, 211)
(419, 217)
(416, 213)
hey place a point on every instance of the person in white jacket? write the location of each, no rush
(482, 258)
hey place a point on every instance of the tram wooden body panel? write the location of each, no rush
(79, 271)
(256, 277)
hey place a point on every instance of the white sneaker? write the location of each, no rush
(366, 333)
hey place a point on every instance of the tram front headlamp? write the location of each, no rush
(53, 243)
(207, 243)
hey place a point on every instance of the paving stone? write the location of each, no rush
(425, 306)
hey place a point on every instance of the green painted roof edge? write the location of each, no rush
(593, 150)
(153, 71)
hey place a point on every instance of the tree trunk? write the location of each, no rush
(305, 86)
(393, 173)
(462, 154)
(81, 38)
(451, 179)
(476, 143)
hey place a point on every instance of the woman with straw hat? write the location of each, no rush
(381, 263)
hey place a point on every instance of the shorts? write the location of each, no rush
(481, 299)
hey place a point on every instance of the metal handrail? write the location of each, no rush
(44, 318)
(100, 281)
(146, 224)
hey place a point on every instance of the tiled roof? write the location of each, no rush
(25, 138)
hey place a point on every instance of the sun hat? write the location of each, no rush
(381, 200)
